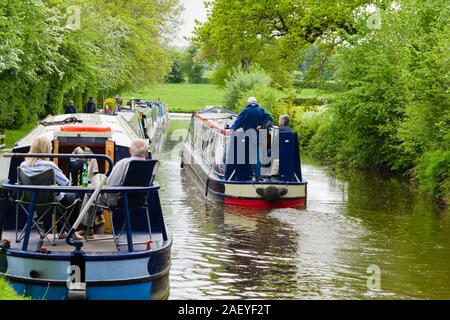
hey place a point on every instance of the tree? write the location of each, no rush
(270, 33)
(119, 44)
(394, 109)
(193, 66)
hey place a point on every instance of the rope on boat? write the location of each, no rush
(88, 205)
(70, 120)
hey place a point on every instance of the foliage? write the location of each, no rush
(267, 97)
(240, 82)
(193, 66)
(7, 293)
(270, 33)
(46, 61)
(176, 74)
(393, 110)
(433, 173)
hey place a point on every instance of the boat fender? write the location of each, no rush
(4, 246)
(149, 245)
(272, 193)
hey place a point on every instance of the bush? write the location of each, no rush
(308, 124)
(241, 82)
(433, 174)
(267, 97)
(317, 84)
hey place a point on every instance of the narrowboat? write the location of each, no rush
(220, 162)
(149, 119)
(129, 260)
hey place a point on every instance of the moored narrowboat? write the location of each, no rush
(130, 259)
(220, 163)
(149, 119)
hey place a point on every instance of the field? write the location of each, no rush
(188, 97)
(183, 97)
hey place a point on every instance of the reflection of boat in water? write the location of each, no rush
(130, 261)
(221, 163)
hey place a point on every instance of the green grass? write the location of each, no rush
(7, 293)
(188, 97)
(184, 97)
(12, 136)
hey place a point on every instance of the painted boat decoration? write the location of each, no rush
(130, 260)
(208, 157)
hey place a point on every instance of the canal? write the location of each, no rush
(361, 236)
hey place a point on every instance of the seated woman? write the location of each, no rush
(32, 166)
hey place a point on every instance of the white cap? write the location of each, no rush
(251, 100)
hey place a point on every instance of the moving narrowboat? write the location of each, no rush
(213, 157)
(129, 260)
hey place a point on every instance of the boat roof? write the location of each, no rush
(121, 133)
(216, 117)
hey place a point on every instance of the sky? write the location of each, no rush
(193, 9)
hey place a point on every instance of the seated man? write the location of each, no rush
(284, 123)
(138, 151)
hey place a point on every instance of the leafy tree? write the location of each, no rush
(270, 32)
(241, 82)
(44, 61)
(193, 66)
(394, 109)
(175, 76)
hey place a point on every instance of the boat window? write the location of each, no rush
(136, 125)
(219, 158)
(191, 132)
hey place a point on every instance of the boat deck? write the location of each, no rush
(102, 243)
(218, 117)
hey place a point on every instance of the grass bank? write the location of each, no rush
(184, 97)
(189, 97)
(7, 293)
(12, 136)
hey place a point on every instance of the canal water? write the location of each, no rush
(361, 237)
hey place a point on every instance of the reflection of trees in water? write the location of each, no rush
(407, 235)
(258, 250)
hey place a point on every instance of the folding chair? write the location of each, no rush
(46, 206)
(140, 174)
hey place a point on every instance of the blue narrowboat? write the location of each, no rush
(129, 260)
(220, 162)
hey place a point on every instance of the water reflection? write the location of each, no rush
(351, 223)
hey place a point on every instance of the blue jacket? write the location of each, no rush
(71, 109)
(285, 129)
(252, 117)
